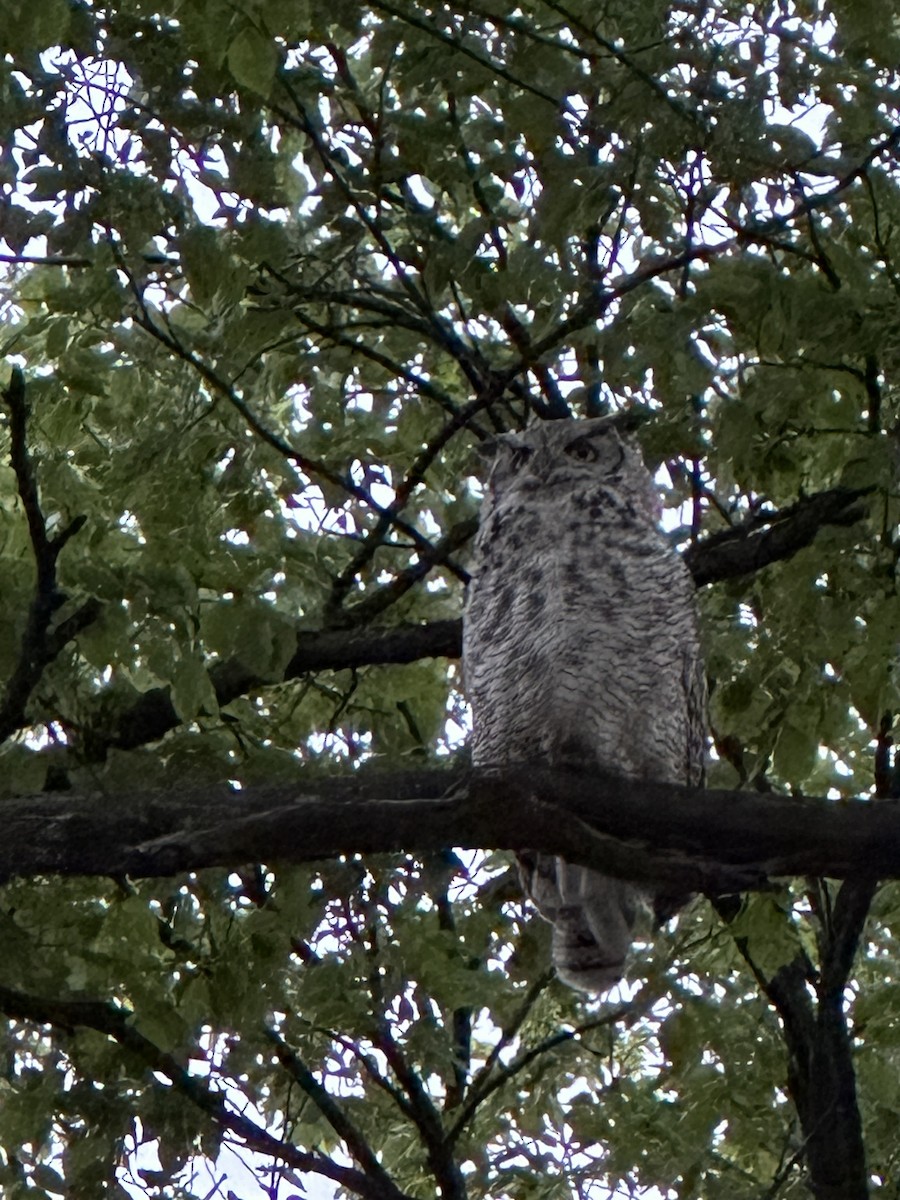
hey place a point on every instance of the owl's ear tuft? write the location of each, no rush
(625, 422)
(630, 420)
(503, 443)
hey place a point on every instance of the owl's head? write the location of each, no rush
(588, 459)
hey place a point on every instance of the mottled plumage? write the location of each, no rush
(580, 645)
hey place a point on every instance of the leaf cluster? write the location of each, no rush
(272, 272)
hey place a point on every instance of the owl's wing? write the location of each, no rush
(665, 904)
(537, 875)
(697, 720)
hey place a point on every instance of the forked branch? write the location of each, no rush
(40, 643)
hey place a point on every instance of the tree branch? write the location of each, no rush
(425, 1116)
(39, 644)
(495, 1073)
(118, 1023)
(767, 538)
(820, 1073)
(774, 535)
(686, 838)
(334, 1114)
(313, 468)
(835, 1146)
(154, 714)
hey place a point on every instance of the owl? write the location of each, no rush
(580, 646)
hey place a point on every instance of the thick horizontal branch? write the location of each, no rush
(154, 713)
(740, 551)
(689, 839)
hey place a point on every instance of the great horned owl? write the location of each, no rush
(581, 646)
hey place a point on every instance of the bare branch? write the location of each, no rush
(154, 714)
(363, 612)
(688, 839)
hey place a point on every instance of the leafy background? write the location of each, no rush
(273, 271)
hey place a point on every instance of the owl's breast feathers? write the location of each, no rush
(579, 625)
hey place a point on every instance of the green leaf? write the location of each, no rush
(252, 60)
(277, 268)
(192, 691)
(771, 936)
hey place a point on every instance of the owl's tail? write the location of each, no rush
(592, 916)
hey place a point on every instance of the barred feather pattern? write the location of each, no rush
(580, 646)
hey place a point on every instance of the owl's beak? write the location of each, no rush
(537, 472)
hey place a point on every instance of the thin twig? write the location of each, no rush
(495, 1079)
(312, 467)
(120, 1024)
(334, 1114)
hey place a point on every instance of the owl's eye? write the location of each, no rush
(520, 457)
(582, 450)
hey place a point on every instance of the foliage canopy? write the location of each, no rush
(273, 270)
